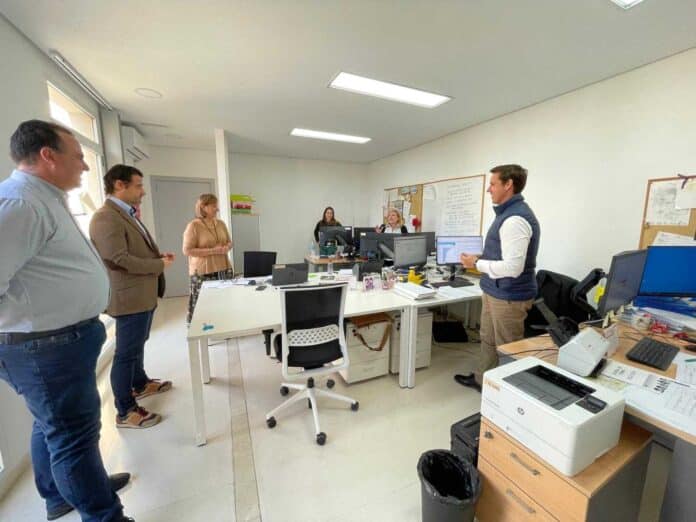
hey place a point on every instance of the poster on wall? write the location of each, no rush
(661, 208)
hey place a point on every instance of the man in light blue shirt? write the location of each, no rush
(53, 286)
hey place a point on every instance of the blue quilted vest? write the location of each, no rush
(524, 286)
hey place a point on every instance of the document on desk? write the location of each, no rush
(219, 284)
(686, 368)
(665, 399)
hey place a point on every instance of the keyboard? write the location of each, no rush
(652, 353)
(457, 283)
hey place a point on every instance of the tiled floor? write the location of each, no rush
(365, 472)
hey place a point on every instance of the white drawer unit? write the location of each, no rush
(365, 363)
(423, 341)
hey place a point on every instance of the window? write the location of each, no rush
(66, 112)
(84, 200)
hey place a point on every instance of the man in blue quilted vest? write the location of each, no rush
(507, 265)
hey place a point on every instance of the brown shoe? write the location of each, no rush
(138, 418)
(153, 387)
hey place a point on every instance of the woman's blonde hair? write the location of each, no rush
(204, 200)
(392, 209)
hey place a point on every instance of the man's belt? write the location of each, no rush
(22, 337)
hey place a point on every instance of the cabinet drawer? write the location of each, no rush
(366, 370)
(537, 480)
(422, 361)
(502, 501)
(360, 354)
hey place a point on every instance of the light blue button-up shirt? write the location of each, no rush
(50, 274)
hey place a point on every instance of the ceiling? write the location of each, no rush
(260, 68)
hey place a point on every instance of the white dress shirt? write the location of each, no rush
(515, 234)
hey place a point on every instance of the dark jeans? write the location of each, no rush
(128, 370)
(56, 375)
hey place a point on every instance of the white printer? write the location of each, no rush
(566, 420)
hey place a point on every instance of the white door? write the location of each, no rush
(173, 202)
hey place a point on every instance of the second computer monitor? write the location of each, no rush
(670, 271)
(623, 281)
(449, 248)
(341, 235)
(410, 250)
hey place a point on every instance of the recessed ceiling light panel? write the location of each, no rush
(146, 92)
(627, 4)
(331, 136)
(389, 91)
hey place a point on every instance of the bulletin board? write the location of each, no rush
(668, 208)
(449, 207)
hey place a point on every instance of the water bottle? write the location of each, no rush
(312, 249)
(329, 267)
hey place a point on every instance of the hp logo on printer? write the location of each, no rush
(520, 411)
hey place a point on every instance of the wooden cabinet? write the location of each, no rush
(518, 485)
(365, 363)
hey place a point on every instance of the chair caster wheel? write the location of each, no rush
(309, 404)
(330, 383)
(321, 438)
(284, 390)
(271, 422)
(355, 406)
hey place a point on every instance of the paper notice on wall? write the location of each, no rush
(461, 207)
(662, 205)
(686, 196)
(669, 239)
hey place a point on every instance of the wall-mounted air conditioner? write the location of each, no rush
(134, 144)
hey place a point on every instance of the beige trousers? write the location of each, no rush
(501, 322)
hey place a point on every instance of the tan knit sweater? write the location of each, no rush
(199, 240)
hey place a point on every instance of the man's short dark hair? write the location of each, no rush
(116, 173)
(33, 135)
(517, 174)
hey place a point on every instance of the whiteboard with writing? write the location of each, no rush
(454, 207)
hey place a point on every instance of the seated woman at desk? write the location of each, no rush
(327, 220)
(394, 224)
(206, 243)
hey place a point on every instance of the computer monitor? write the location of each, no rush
(339, 235)
(449, 248)
(430, 240)
(359, 233)
(410, 250)
(382, 245)
(669, 271)
(623, 281)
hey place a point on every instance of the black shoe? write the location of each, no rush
(469, 381)
(117, 481)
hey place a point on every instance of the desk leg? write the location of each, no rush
(407, 354)
(205, 361)
(679, 498)
(197, 389)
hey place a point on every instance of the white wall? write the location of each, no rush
(24, 96)
(290, 193)
(589, 154)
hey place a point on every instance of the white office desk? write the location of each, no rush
(238, 311)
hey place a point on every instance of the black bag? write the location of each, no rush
(161, 285)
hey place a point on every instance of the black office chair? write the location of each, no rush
(313, 339)
(561, 293)
(258, 263)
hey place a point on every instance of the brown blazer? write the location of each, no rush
(133, 260)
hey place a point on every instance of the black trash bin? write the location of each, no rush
(464, 437)
(450, 487)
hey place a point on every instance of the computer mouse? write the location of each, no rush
(251, 282)
(690, 347)
(260, 287)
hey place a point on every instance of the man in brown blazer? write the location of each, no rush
(136, 269)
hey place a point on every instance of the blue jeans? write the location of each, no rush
(56, 375)
(128, 370)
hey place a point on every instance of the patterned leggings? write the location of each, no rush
(195, 288)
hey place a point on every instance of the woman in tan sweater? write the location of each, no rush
(206, 243)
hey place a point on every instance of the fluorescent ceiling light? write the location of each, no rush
(388, 91)
(78, 78)
(332, 136)
(627, 4)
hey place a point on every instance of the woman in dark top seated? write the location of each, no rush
(394, 225)
(327, 220)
